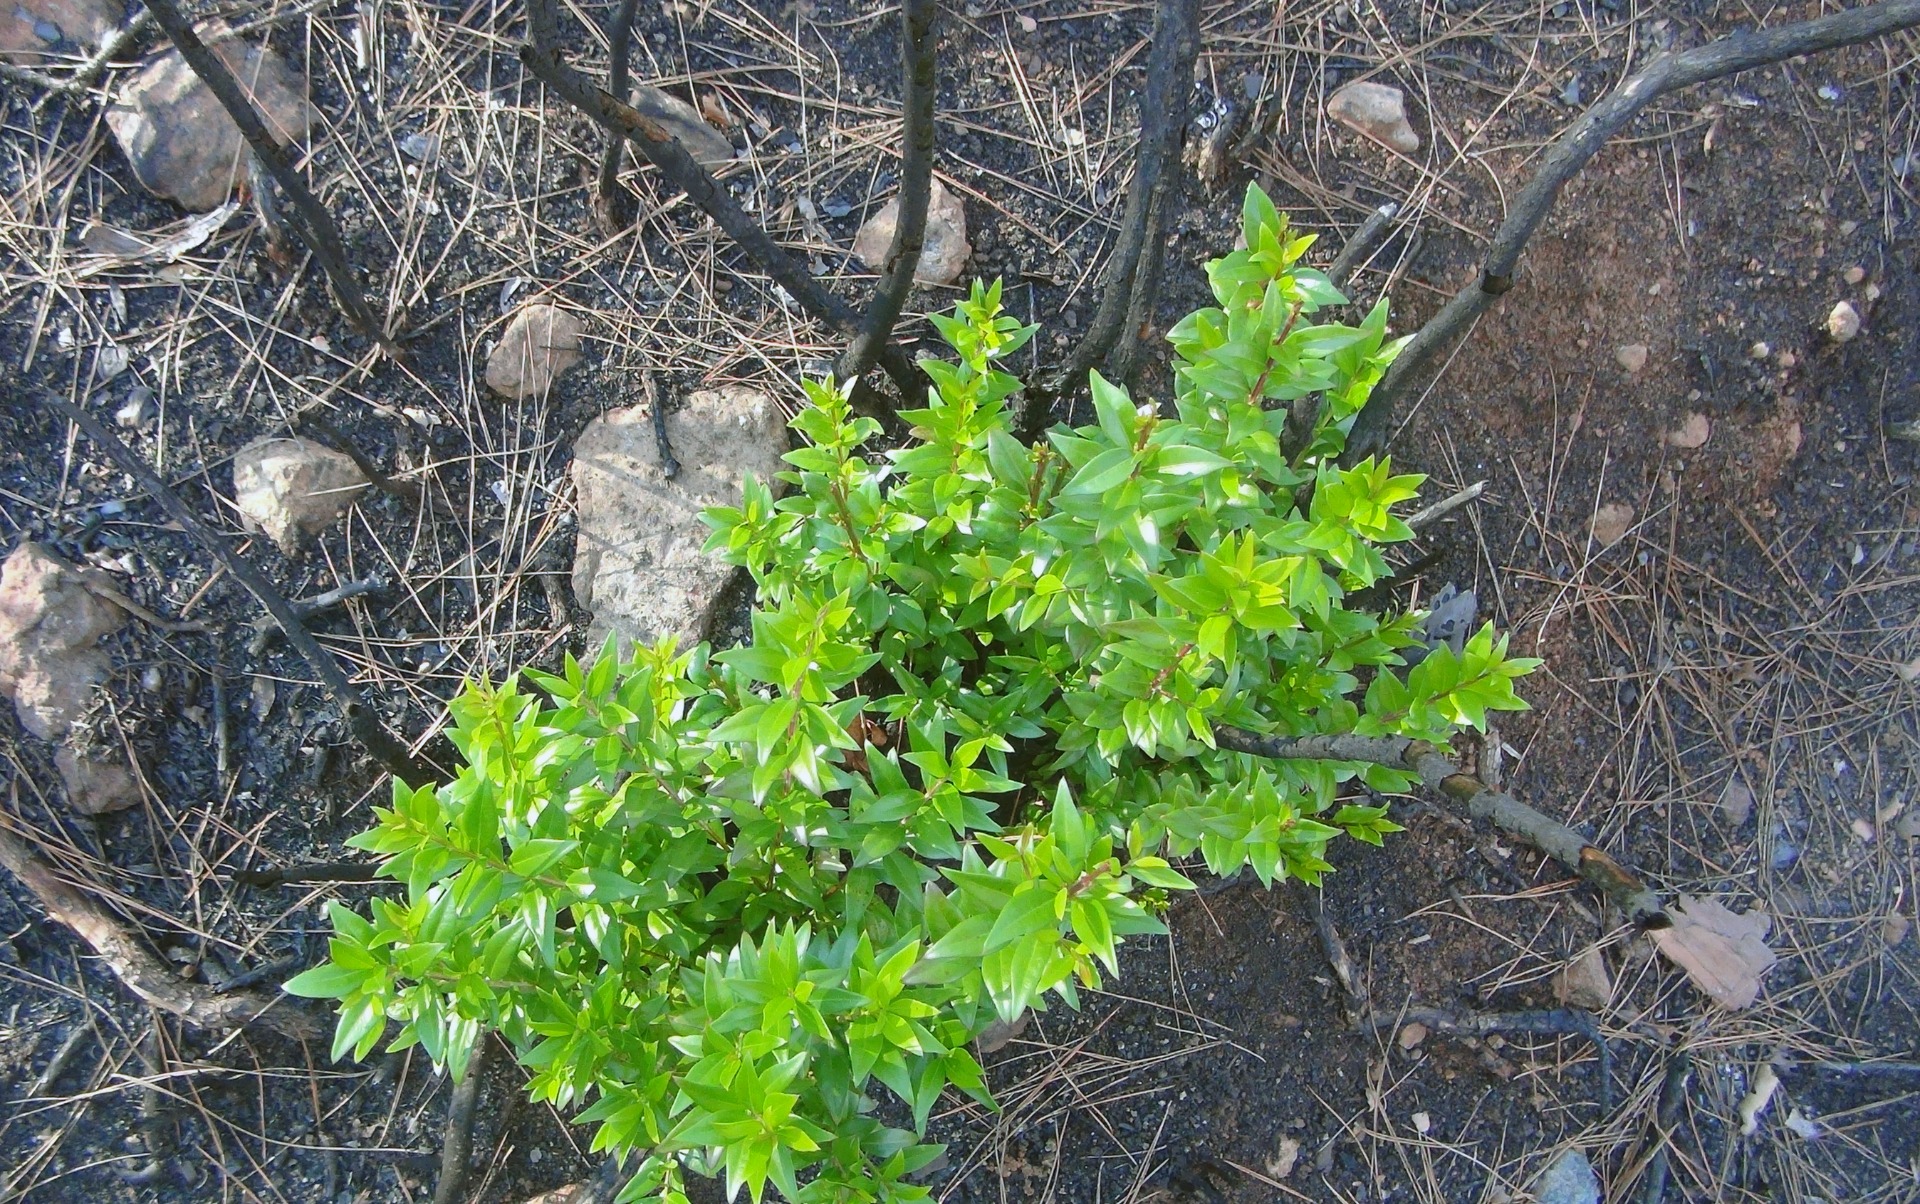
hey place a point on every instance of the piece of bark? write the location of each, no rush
(1723, 953)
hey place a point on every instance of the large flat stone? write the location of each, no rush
(638, 563)
(181, 143)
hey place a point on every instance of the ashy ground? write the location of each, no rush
(1731, 652)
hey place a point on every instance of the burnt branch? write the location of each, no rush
(1361, 245)
(360, 718)
(141, 970)
(542, 59)
(1163, 115)
(316, 225)
(613, 204)
(1570, 152)
(919, 83)
(1641, 903)
(456, 1149)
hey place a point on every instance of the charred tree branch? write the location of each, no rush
(612, 203)
(1641, 903)
(918, 89)
(542, 59)
(139, 968)
(1570, 152)
(317, 227)
(361, 720)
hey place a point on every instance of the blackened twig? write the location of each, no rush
(1565, 1022)
(612, 204)
(457, 1150)
(266, 971)
(542, 59)
(1175, 43)
(1641, 903)
(919, 85)
(44, 1081)
(361, 719)
(1361, 244)
(321, 871)
(1352, 984)
(1570, 152)
(317, 228)
(264, 629)
(669, 467)
(1673, 1093)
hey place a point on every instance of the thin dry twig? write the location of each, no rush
(1730, 55)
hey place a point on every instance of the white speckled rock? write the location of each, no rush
(638, 563)
(1376, 110)
(293, 488)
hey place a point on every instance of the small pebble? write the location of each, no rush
(1631, 357)
(1843, 323)
(1854, 274)
(1760, 350)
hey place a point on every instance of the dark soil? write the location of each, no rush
(1753, 624)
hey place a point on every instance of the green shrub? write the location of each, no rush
(715, 895)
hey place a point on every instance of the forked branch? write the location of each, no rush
(317, 228)
(1640, 903)
(542, 58)
(918, 87)
(1570, 152)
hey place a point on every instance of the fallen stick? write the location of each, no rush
(318, 230)
(1641, 904)
(1730, 55)
(139, 969)
(360, 718)
(919, 85)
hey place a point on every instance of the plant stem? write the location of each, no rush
(918, 88)
(1641, 904)
(317, 228)
(612, 203)
(1730, 55)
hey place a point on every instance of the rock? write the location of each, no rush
(96, 784)
(708, 147)
(1584, 982)
(1854, 274)
(541, 342)
(1736, 802)
(1001, 1033)
(1843, 323)
(1376, 110)
(1760, 350)
(51, 626)
(946, 250)
(293, 488)
(1412, 1035)
(1568, 1179)
(1691, 434)
(181, 143)
(1612, 522)
(1631, 357)
(136, 411)
(37, 33)
(638, 563)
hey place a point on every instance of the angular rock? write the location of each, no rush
(706, 144)
(1632, 357)
(96, 783)
(1376, 110)
(946, 249)
(1569, 1179)
(1611, 523)
(638, 563)
(35, 33)
(293, 488)
(51, 626)
(1584, 982)
(179, 140)
(541, 342)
